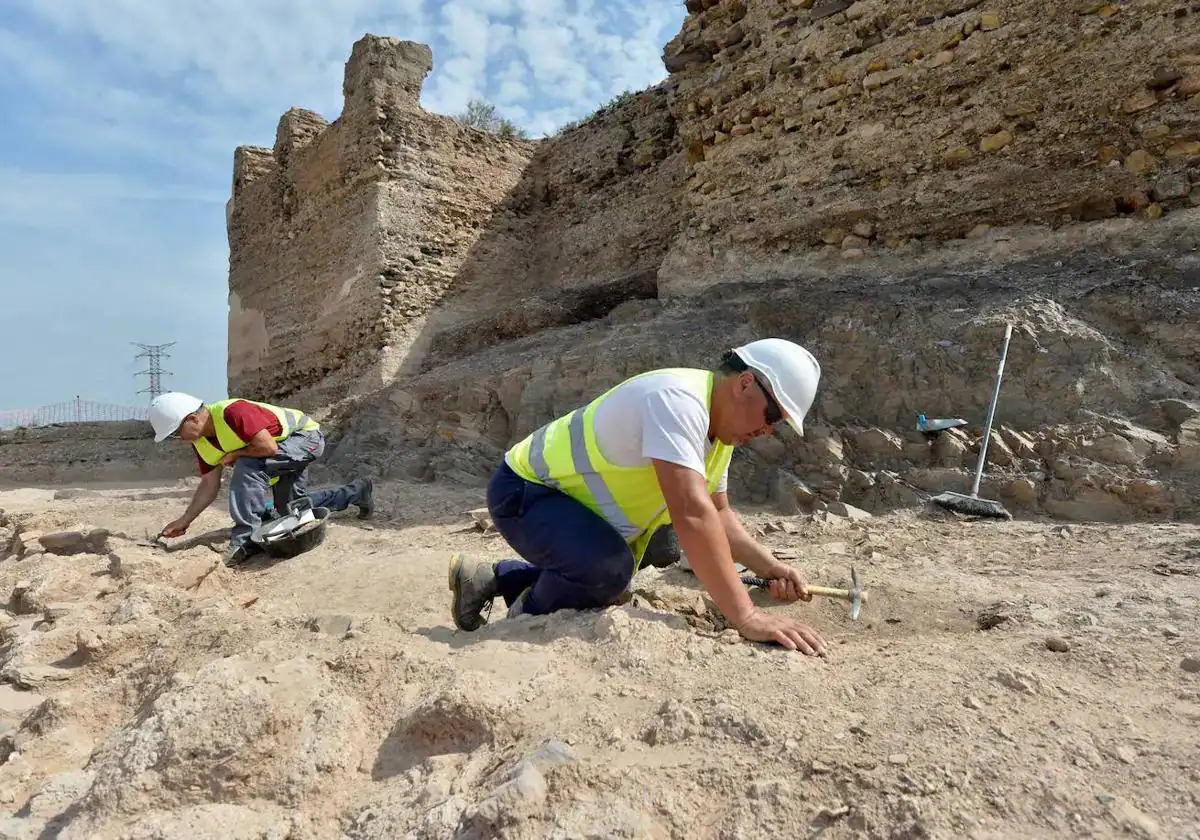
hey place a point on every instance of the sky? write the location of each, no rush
(120, 119)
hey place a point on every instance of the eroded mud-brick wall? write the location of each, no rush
(879, 125)
(344, 235)
(787, 133)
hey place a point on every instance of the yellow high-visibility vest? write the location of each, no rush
(563, 454)
(290, 420)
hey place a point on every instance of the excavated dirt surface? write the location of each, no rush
(1006, 679)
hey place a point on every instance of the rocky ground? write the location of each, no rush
(1006, 679)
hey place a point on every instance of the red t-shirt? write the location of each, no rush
(246, 419)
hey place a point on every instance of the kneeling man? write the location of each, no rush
(265, 445)
(581, 498)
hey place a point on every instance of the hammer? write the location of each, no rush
(855, 595)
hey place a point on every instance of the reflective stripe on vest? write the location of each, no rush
(563, 454)
(582, 461)
(290, 421)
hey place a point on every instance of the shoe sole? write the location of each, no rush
(456, 561)
(364, 512)
(454, 576)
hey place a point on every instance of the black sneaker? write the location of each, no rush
(473, 583)
(238, 555)
(366, 499)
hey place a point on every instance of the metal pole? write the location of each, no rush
(987, 432)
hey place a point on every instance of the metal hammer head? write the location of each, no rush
(856, 595)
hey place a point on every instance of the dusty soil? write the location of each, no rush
(1006, 679)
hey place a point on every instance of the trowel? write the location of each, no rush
(156, 542)
(938, 424)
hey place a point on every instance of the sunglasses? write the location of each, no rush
(773, 413)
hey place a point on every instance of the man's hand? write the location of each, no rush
(230, 458)
(761, 626)
(176, 529)
(787, 584)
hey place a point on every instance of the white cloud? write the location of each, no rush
(122, 116)
(511, 85)
(134, 65)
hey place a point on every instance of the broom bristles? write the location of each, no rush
(972, 505)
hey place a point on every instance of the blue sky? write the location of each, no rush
(120, 120)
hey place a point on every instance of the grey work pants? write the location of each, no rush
(251, 479)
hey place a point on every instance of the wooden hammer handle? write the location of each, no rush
(830, 592)
(826, 591)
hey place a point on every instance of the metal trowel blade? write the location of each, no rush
(153, 542)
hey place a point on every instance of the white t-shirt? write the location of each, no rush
(656, 416)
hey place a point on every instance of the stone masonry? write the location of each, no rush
(789, 134)
(855, 127)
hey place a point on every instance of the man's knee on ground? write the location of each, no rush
(606, 575)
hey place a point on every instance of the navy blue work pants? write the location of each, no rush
(571, 557)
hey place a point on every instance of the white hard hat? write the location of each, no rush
(792, 371)
(168, 410)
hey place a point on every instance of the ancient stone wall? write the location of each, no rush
(585, 228)
(856, 128)
(89, 453)
(788, 135)
(344, 235)
(886, 182)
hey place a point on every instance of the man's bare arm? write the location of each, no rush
(262, 445)
(210, 485)
(746, 550)
(701, 533)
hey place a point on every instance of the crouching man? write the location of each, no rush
(269, 450)
(582, 497)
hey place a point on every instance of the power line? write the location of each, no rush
(154, 353)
